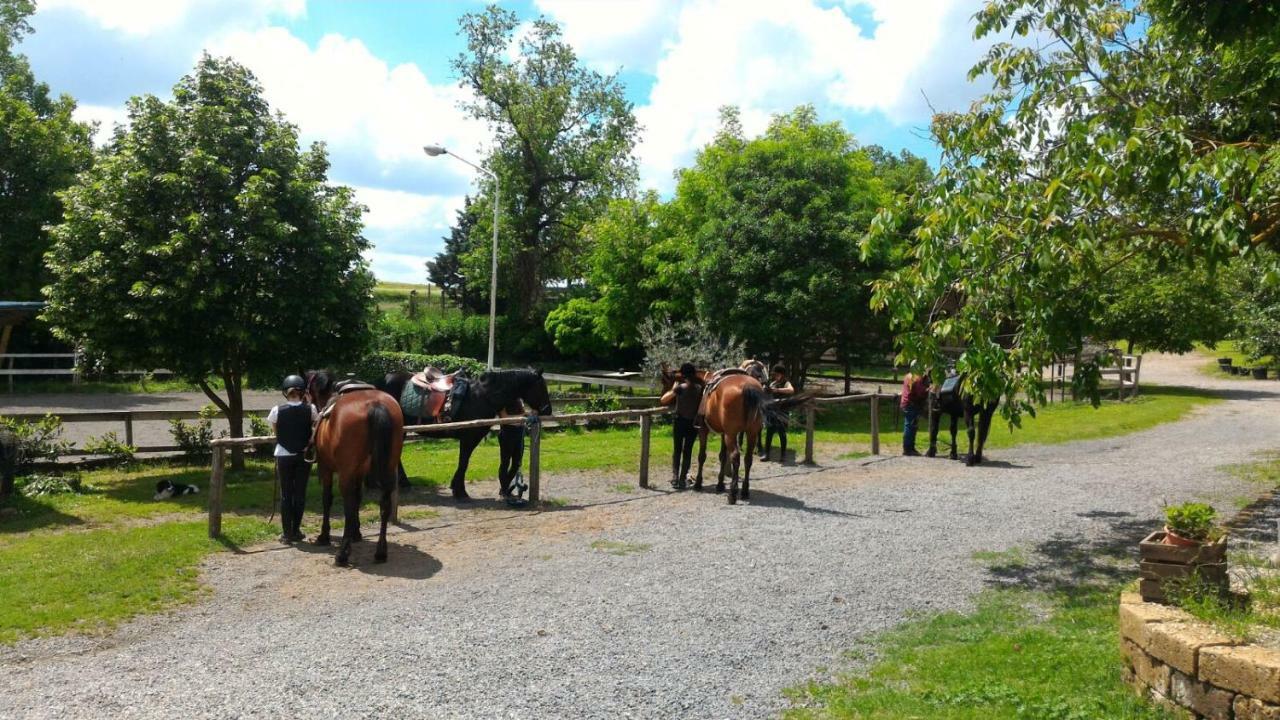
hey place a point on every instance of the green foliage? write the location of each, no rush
(673, 343)
(1256, 291)
(36, 441)
(259, 427)
(446, 270)
(574, 327)
(1112, 135)
(1163, 305)
(1191, 520)
(45, 485)
(563, 136)
(195, 439)
(205, 241)
(41, 149)
(376, 365)
(110, 446)
(774, 224)
(450, 334)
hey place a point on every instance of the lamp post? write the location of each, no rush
(436, 150)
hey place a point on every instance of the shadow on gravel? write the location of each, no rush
(760, 498)
(1073, 563)
(1002, 465)
(403, 560)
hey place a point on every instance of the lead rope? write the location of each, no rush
(518, 486)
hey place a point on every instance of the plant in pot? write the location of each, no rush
(1191, 548)
(1260, 372)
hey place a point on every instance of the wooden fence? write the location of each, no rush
(75, 372)
(128, 417)
(217, 479)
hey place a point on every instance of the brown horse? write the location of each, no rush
(737, 405)
(361, 437)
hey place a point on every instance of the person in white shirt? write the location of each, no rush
(293, 422)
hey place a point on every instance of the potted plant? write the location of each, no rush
(1260, 373)
(1191, 549)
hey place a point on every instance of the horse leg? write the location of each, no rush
(969, 422)
(402, 477)
(724, 461)
(735, 461)
(984, 427)
(753, 439)
(935, 419)
(466, 445)
(356, 535)
(325, 476)
(955, 451)
(351, 510)
(702, 455)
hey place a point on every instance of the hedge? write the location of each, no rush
(375, 366)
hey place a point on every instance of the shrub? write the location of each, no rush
(373, 367)
(110, 446)
(1191, 520)
(673, 343)
(33, 442)
(259, 427)
(42, 485)
(195, 439)
(452, 333)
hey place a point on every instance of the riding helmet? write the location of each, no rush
(293, 382)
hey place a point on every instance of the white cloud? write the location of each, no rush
(767, 57)
(632, 34)
(106, 116)
(149, 17)
(375, 118)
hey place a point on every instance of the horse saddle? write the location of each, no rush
(950, 389)
(342, 388)
(435, 379)
(431, 394)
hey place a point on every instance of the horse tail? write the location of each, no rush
(756, 400)
(380, 436)
(778, 412)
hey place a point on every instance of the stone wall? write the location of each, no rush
(1186, 665)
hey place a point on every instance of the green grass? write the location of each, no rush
(90, 581)
(1019, 654)
(1231, 349)
(615, 547)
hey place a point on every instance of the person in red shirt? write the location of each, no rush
(915, 393)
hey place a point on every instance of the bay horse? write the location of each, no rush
(737, 404)
(495, 393)
(360, 438)
(953, 401)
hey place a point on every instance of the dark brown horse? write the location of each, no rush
(361, 437)
(737, 405)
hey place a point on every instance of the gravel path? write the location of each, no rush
(701, 610)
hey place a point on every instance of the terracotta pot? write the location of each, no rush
(1172, 538)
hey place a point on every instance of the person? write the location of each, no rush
(293, 423)
(915, 393)
(778, 387)
(686, 395)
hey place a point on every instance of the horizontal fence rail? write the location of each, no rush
(128, 417)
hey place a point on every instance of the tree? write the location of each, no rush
(41, 150)
(447, 272)
(775, 223)
(1118, 131)
(1256, 305)
(1163, 306)
(205, 241)
(562, 145)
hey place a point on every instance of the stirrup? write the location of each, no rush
(517, 488)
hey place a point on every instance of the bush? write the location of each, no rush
(110, 446)
(373, 367)
(1192, 520)
(33, 442)
(453, 334)
(196, 439)
(259, 427)
(42, 485)
(672, 343)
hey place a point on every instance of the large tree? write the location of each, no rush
(41, 150)
(775, 223)
(563, 136)
(447, 270)
(1114, 130)
(204, 240)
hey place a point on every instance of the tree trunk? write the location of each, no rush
(1129, 348)
(235, 419)
(528, 282)
(848, 372)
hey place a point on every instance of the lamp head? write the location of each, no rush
(433, 150)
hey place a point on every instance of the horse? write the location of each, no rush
(736, 404)
(496, 393)
(956, 403)
(360, 437)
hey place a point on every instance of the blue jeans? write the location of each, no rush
(910, 423)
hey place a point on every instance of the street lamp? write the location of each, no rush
(435, 151)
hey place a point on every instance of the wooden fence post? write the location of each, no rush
(646, 424)
(535, 458)
(875, 422)
(216, 480)
(128, 429)
(809, 413)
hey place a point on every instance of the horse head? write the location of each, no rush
(534, 392)
(320, 385)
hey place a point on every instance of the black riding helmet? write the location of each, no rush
(293, 382)
(689, 372)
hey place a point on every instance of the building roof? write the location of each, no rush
(13, 312)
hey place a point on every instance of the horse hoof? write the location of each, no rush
(931, 453)
(463, 498)
(342, 561)
(971, 461)
(380, 556)
(697, 487)
(733, 498)
(720, 488)
(745, 494)
(323, 540)
(954, 456)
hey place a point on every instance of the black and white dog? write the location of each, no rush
(166, 489)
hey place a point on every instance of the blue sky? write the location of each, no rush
(372, 78)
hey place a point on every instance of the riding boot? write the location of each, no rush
(699, 421)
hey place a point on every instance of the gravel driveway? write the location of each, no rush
(693, 608)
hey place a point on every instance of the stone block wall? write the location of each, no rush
(1189, 667)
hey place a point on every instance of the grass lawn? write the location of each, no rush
(1231, 349)
(87, 561)
(1019, 654)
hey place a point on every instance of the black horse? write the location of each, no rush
(952, 401)
(494, 393)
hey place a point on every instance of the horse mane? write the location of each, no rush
(508, 381)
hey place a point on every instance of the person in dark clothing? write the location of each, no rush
(778, 387)
(293, 423)
(915, 393)
(686, 395)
